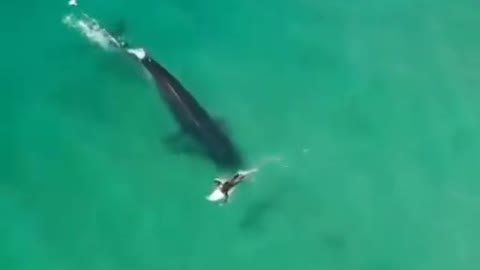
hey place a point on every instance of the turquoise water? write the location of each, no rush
(382, 95)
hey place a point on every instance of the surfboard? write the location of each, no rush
(247, 173)
(216, 196)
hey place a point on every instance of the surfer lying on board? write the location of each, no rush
(224, 188)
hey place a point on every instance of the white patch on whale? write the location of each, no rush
(138, 52)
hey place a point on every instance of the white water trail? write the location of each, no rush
(282, 161)
(91, 29)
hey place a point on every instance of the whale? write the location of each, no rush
(193, 120)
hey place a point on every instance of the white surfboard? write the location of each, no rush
(216, 196)
(248, 172)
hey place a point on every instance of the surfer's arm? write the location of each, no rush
(235, 178)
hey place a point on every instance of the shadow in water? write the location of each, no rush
(334, 242)
(254, 219)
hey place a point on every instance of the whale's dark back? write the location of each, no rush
(193, 118)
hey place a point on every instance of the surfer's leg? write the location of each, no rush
(224, 201)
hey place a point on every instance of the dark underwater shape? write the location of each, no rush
(193, 119)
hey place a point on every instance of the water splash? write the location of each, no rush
(91, 29)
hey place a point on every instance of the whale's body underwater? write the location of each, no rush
(192, 118)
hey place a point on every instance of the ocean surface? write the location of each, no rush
(373, 107)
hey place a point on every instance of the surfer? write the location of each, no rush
(225, 187)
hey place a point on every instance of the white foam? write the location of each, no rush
(91, 29)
